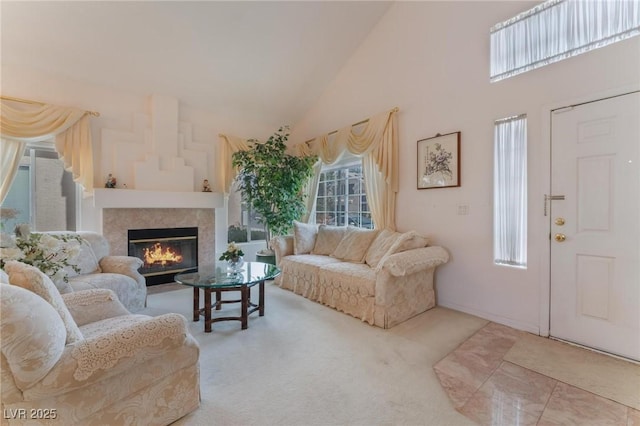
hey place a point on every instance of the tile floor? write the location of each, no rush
(492, 391)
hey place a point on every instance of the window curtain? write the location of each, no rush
(11, 152)
(226, 172)
(376, 143)
(559, 29)
(510, 191)
(33, 123)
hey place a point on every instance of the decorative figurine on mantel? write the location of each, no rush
(205, 186)
(111, 181)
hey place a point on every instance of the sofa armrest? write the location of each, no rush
(114, 352)
(125, 265)
(282, 246)
(87, 306)
(136, 342)
(415, 260)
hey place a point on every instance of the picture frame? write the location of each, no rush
(439, 161)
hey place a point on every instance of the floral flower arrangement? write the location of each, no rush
(233, 252)
(49, 253)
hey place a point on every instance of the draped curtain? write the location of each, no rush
(226, 172)
(376, 143)
(34, 123)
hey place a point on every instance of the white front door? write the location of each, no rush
(595, 230)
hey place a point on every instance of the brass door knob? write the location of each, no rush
(559, 221)
(560, 237)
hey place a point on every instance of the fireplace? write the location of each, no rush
(165, 252)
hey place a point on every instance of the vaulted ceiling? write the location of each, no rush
(266, 60)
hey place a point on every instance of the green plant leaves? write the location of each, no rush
(272, 181)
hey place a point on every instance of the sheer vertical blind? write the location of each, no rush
(510, 191)
(559, 29)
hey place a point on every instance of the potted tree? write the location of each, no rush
(271, 181)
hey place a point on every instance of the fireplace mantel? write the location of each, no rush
(107, 198)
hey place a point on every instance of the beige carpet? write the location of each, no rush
(306, 364)
(600, 374)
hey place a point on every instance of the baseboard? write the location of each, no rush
(509, 322)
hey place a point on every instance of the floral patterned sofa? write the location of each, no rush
(383, 278)
(82, 359)
(94, 267)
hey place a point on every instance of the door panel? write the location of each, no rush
(595, 249)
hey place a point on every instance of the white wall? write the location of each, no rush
(118, 111)
(431, 59)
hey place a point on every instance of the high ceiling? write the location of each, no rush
(265, 60)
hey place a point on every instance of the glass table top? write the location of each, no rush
(218, 275)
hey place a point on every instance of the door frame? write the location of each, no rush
(537, 199)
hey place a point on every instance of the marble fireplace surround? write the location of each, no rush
(117, 221)
(124, 209)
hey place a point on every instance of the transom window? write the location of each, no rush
(559, 29)
(341, 198)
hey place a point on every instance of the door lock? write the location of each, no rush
(551, 198)
(560, 237)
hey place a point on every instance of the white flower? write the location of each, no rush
(49, 243)
(11, 253)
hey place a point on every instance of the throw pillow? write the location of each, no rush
(32, 335)
(409, 241)
(328, 239)
(31, 278)
(304, 237)
(380, 247)
(354, 245)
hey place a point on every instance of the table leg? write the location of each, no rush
(207, 310)
(196, 304)
(261, 299)
(244, 315)
(218, 299)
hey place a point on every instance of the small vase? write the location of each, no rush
(235, 264)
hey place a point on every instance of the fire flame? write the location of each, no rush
(159, 255)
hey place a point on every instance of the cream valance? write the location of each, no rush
(376, 142)
(38, 122)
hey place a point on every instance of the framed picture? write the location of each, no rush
(439, 161)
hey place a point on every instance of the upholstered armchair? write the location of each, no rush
(82, 358)
(98, 269)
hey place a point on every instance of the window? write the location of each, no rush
(559, 29)
(341, 198)
(244, 223)
(42, 194)
(510, 192)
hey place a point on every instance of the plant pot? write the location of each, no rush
(266, 257)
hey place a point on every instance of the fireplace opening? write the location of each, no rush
(164, 252)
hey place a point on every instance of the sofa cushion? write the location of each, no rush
(85, 260)
(31, 278)
(300, 272)
(380, 246)
(328, 239)
(347, 278)
(304, 237)
(123, 286)
(354, 244)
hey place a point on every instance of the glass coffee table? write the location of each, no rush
(217, 279)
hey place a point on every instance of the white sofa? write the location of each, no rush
(97, 269)
(383, 278)
(82, 359)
